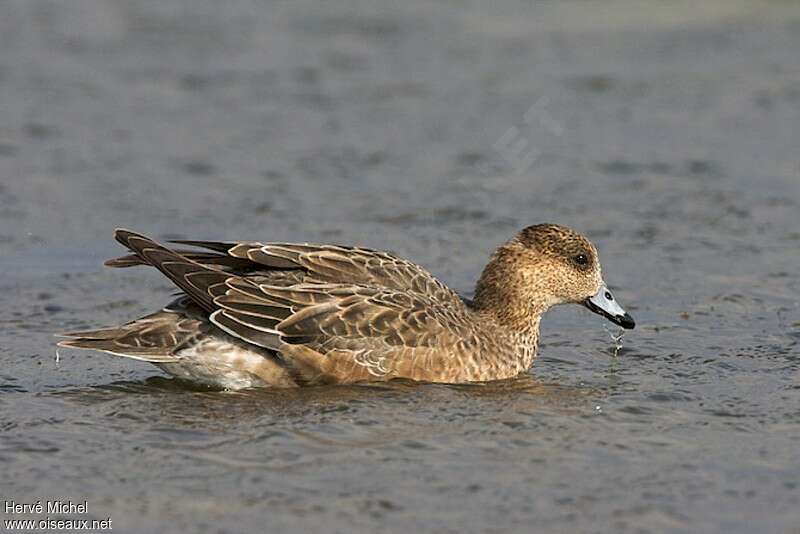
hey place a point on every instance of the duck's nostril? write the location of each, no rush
(609, 296)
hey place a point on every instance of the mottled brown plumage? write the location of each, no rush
(284, 314)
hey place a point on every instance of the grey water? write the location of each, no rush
(666, 131)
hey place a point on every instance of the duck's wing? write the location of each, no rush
(293, 263)
(220, 261)
(348, 333)
(333, 264)
(325, 331)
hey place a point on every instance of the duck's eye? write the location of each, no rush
(581, 259)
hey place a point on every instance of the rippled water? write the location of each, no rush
(667, 133)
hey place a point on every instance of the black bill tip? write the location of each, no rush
(626, 321)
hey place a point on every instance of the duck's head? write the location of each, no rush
(545, 265)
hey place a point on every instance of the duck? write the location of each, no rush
(272, 314)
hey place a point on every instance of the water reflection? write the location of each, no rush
(183, 396)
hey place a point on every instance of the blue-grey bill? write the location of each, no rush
(603, 303)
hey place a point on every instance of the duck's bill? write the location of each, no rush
(603, 303)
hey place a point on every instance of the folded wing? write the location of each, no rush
(335, 313)
(337, 264)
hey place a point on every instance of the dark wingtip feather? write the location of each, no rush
(122, 262)
(124, 236)
(218, 246)
(174, 265)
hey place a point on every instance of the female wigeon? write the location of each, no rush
(284, 314)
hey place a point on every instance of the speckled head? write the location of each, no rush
(545, 265)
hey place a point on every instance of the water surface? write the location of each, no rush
(665, 131)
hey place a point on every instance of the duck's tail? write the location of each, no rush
(155, 338)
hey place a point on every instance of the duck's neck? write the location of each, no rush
(511, 296)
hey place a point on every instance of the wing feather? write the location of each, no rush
(336, 264)
(346, 310)
(258, 337)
